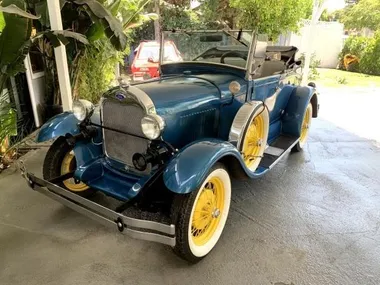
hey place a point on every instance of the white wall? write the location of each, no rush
(327, 41)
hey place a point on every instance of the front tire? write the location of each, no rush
(200, 216)
(60, 159)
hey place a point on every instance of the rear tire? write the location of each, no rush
(201, 215)
(53, 168)
(305, 128)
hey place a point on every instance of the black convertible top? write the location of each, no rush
(288, 53)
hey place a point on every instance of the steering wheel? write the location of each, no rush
(232, 54)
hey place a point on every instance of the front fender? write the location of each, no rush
(62, 124)
(188, 169)
(57, 126)
(296, 108)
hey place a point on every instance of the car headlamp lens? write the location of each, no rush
(152, 126)
(82, 109)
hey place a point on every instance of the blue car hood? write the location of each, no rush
(190, 105)
(180, 93)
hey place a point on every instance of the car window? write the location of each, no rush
(148, 52)
(153, 52)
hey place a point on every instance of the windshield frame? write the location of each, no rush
(251, 46)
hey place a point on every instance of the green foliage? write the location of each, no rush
(218, 13)
(93, 67)
(314, 64)
(271, 18)
(370, 61)
(365, 14)
(105, 21)
(8, 118)
(172, 17)
(179, 18)
(354, 45)
(2, 21)
(13, 9)
(341, 80)
(368, 52)
(131, 13)
(12, 39)
(96, 70)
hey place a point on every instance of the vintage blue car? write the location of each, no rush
(165, 149)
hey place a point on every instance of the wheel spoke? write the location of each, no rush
(201, 211)
(201, 218)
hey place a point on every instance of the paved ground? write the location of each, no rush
(315, 219)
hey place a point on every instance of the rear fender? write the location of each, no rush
(296, 108)
(188, 169)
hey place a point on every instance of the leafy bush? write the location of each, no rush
(370, 61)
(96, 70)
(353, 46)
(314, 64)
(367, 50)
(341, 80)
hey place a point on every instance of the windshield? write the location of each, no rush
(219, 47)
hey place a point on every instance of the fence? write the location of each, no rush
(327, 41)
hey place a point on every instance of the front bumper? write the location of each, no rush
(135, 228)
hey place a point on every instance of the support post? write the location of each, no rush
(157, 26)
(60, 56)
(318, 8)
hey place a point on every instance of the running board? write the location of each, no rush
(277, 150)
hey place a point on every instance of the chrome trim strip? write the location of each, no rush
(98, 212)
(171, 241)
(131, 92)
(142, 98)
(241, 120)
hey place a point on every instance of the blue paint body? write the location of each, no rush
(58, 126)
(198, 109)
(189, 168)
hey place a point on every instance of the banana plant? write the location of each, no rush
(103, 18)
(15, 42)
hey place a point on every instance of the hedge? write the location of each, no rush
(367, 50)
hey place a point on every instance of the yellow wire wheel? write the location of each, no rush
(305, 128)
(207, 211)
(68, 165)
(201, 215)
(255, 138)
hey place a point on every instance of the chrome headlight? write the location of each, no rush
(82, 109)
(152, 126)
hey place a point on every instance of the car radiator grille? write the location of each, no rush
(125, 118)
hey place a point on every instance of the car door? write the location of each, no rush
(275, 92)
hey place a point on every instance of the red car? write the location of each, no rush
(146, 61)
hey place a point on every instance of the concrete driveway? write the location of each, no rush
(314, 219)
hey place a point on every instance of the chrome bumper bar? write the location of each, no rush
(135, 228)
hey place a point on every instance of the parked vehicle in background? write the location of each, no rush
(165, 149)
(146, 61)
